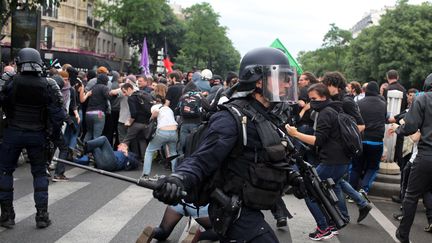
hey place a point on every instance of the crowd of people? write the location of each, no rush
(121, 120)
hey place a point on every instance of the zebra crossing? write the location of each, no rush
(93, 208)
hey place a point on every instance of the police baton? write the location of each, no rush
(139, 182)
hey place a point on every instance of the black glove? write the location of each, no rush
(297, 182)
(169, 189)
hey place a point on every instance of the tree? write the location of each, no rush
(172, 32)
(331, 56)
(130, 17)
(205, 43)
(401, 41)
(337, 40)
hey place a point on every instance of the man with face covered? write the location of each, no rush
(241, 165)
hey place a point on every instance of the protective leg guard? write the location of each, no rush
(7, 218)
(42, 218)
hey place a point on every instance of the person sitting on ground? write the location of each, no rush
(109, 160)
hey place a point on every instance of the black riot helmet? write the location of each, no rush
(427, 86)
(272, 67)
(29, 60)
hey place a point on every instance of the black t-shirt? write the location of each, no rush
(173, 95)
(99, 98)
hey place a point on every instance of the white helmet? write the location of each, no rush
(206, 74)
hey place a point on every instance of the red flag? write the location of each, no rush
(166, 61)
(168, 64)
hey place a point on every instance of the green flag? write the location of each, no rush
(293, 63)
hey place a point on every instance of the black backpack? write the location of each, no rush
(197, 135)
(190, 105)
(350, 135)
(145, 100)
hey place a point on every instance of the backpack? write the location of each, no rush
(350, 135)
(197, 135)
(145, 100)
(190, 105)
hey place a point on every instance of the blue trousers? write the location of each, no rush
(365, 168)
(103, 153)
(336, 172)
(13, 143)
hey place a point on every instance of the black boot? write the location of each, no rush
(42, 218)
(7, 218)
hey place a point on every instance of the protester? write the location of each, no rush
(333, 160)
(374, 112)
(166, 132)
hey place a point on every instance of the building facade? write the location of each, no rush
(371, 18)
(73, 34)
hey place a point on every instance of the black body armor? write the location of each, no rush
(258, 172)
(27, 101)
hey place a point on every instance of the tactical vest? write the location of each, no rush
(258, 171)
(26, 109)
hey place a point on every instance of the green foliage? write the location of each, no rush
(131, 18)
(135, 64)
(205, 43)
(401, 41)
(331, 56)
(172, 31)
(127, 17)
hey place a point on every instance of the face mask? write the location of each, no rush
(318, 105)
(259, 90)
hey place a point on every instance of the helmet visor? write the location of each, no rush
(278, 85)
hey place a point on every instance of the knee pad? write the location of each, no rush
(6, 187)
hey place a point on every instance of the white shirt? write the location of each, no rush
(165, 116)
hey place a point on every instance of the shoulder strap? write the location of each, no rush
(235, 107)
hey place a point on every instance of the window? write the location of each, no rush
(50, 9)
(103, 46)
(109, 46)
(90, 14)
(48, 36)
(98, 45)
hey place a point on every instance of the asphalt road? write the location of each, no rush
(94, 208)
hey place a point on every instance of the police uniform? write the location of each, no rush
(30, 103)
(249, 167)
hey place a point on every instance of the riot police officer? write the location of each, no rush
(241, 165)
(30, 102)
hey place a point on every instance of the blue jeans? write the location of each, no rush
(103, 153)
(336, 172)
(366, 167)
(353, 194)
(95, 122)
(161, 138)
(71, 136)
(185, 130)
